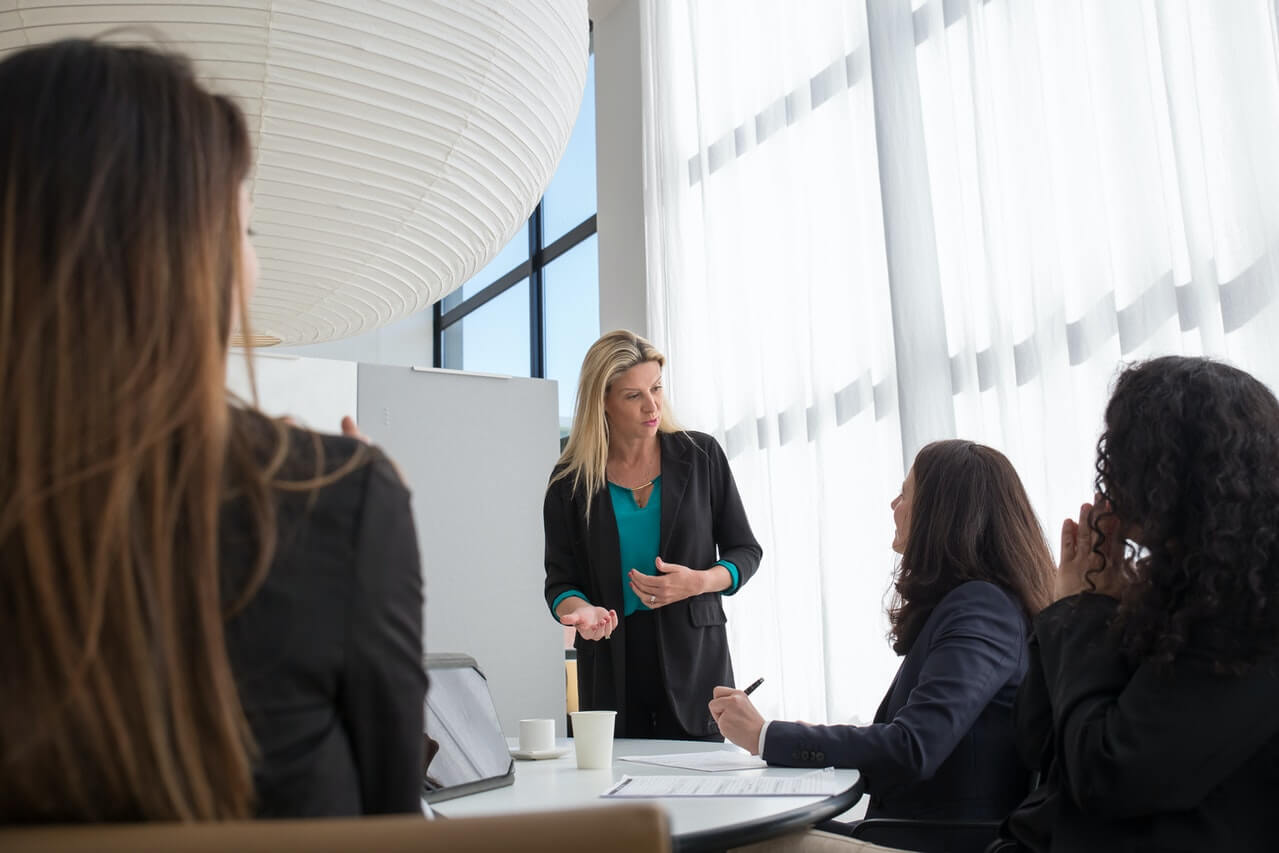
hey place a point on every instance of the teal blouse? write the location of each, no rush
(639, 531)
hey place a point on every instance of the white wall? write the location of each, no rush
(315, 392)
(619, 158)
(406, 342)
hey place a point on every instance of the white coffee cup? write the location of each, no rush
(537, 735)
(593, 739)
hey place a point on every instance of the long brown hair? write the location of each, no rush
(970, 520)
(119, 253)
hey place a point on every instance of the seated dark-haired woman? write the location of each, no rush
(974, 569)
(1152, 702)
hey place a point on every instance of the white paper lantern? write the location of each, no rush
(399, 145)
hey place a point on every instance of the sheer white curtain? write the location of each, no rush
(875, 224)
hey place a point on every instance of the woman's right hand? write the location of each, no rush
(737, 718)
(592, 623)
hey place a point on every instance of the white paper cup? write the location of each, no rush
(537, 735)
(593, 739)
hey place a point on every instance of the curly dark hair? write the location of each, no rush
(970, 520)
(1189, 462)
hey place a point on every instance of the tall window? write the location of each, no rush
(534, 309)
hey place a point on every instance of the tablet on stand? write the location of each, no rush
(472, 752)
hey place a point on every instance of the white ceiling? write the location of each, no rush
(399, 144)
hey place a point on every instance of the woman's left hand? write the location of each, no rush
(675, 583)
(350, 430)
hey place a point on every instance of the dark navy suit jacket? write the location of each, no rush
(942, 744)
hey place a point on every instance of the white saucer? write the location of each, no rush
(539, 754)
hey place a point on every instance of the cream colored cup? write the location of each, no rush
(537, 735)
(593, 739)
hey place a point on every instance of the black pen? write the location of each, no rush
(756, 683)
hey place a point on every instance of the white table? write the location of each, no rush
(697, 823)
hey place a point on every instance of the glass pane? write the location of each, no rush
(572, 318)
(451, 301)
(514, 253)
(494, 338)
(571, 196)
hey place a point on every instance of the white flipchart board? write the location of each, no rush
(315, 392)
(477, 451)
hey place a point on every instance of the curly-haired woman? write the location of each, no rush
(1152, 702)
(975, 568)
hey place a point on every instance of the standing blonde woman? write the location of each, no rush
(645, 531)
(204, 613)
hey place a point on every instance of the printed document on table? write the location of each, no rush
(819, 783)
(712, 761)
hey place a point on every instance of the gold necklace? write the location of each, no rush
(635, 492)
(638, 488)
(634, 489)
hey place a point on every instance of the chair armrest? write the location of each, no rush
(635, 827)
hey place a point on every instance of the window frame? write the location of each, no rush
(539, 257)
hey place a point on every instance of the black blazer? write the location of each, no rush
(328, 654)
(1143, 758)
(703, 520)
(942, 745)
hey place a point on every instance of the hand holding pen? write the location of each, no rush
(736, 717)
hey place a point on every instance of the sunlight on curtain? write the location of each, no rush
(874, 225)
(1103, 178)
(770, 296)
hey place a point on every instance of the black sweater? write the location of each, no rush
(1143, 758)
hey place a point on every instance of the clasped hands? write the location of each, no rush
(672, 583)
(1078, 558)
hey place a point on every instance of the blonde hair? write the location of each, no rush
(586, 454)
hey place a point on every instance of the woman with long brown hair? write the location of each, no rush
(204, 613)
(974, 569)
